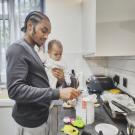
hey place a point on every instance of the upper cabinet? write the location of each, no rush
(108, 27)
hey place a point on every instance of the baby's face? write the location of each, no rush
(55, 53)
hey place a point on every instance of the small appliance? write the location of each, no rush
(99, 83)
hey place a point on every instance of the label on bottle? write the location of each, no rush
(84, 104)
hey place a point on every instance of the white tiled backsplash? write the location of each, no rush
(97, 65)
(125, 68)
(84, 67)
(122, 66)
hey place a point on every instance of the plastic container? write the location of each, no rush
(85, 109)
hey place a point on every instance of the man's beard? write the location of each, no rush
(36, 43)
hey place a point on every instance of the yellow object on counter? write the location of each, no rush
(70, 130)
(115, 91)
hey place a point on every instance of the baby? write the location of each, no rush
(54, 61)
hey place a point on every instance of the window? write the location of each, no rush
(12, 15)
(4, 37)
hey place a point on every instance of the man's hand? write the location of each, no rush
(69, 93)
(58, 73)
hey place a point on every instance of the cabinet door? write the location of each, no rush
(7, 124)
(89, 26)
(115, 27)
(108, 27)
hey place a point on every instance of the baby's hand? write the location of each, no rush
(69, 104)
(58, 73)
(72, 102)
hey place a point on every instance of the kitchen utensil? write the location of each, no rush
(99, 83)
(85, 133)
(100, 133)
(130, 117)
(121, 133)
(131, 130)
(107, 129)
(130, 114)
(74, 80)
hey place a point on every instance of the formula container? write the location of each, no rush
(85, 109)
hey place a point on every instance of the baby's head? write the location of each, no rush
(55, 50)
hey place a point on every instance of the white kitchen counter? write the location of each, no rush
(4, 99)
(6, 103)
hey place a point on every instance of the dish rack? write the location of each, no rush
(113, 114)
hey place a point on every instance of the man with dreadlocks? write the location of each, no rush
(27, 81)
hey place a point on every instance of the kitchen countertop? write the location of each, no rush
(101, 116)
(6, 103)
(4, 99)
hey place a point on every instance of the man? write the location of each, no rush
(27, 81)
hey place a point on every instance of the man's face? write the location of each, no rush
(40, 32)
(55, 53)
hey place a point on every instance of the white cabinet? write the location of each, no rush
(7, 124)
(108, 27)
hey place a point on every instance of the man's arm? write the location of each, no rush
(17, 71)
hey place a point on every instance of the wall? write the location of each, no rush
(97, 65)
(124, 67)
(66, 19)
(65, 16)
(114, 36)
(115, 27)
(115, 10)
